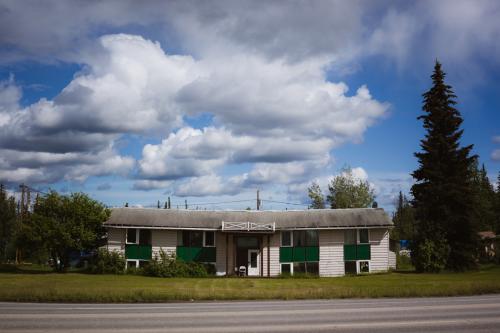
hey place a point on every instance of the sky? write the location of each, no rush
(208, 102)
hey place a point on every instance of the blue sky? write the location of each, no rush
(210, 102)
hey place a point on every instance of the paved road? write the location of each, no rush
(457, 314)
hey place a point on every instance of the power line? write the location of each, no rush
(285, 203)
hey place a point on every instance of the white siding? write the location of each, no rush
(220, 253)
(116, 240)
(379, 240)
(331, 252)
(274, 256)
(163, 239)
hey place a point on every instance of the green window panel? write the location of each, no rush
(312, 253)
(349, 252)
(136, 251)
(198, 254)
(299, 254)
(357, 252)
(286, 254)
(363, 252)
(206, 254)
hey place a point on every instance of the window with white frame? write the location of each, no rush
(209, 239)
(196, 238)
(356, 236)
(286, 238)
(286, 268)
(364, 267)
(138, 236)
(364, 236)
(131, 236)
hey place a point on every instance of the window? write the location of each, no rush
(299, 267)
(196, 238)
(363, 236)
(145, 237)
(209, 238)
(364, 267)
(350, 236)
(286, 268)
(312, 238)
(312, 268)
(286, 238)
(299, 238)
(132, 236)
(302, 238)
(139, 236)
(132, 263)
(350, 267)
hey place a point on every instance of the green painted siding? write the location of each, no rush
(286, 254)
(349, 252)
(312, 253)
(136, 251)
(357, 252)
(363, 252)
(299, 254)
(198, 254)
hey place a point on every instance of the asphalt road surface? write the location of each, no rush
(454, 314)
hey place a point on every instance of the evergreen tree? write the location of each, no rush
(403, 219)
(446, 235)
(497, 206)
(316, 196)
(484, 198)
(348, 192)
(7, 222)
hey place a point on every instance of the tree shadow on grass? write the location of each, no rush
(25, 269)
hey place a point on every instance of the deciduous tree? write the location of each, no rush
(69, 223)
(316, 196)
(346, 191)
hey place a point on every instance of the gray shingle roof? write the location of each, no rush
(204, 219)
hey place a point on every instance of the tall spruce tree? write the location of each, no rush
(446, 234)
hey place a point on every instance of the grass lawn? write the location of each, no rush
(42, 286)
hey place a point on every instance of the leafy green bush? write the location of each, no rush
(430, 256)
(167, 266)
(108, 262)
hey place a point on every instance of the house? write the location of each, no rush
(487, 250)
(328, 242)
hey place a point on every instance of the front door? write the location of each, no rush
(253, 263)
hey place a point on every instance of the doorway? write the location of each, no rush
(253, 263)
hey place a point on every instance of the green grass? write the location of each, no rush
(77, 287)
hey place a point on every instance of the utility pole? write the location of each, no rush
(258, 200)
(169, 206)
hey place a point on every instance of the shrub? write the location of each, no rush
(167, 266)
(108, 262)
(430, 256)
(403, 262)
